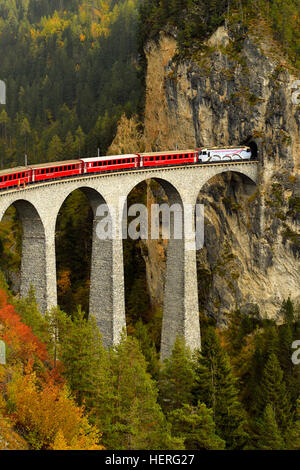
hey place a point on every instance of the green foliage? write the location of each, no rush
(135, 420)
(81, 352)
(216, 386)
(147, 346)
(71, 71)
(293, 434)
(193, 21)
(195, 425)
(200, 395)
(176, 378)
(268, 433)
(272, 390)
(74, 247)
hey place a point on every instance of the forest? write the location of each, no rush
(73, 68)
(241, 391)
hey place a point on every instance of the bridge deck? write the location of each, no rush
(106, 174)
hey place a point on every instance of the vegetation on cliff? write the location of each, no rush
(193, 21)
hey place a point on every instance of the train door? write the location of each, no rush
(139, 161)
(32, 176)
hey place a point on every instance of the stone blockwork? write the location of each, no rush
(38, 207)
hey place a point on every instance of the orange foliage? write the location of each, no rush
(64, 282)
(19, 336)
(50, 416)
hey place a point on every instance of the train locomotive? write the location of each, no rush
(20, 177)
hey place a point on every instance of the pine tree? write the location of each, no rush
(268, 433)
(287, 309)
(195, 425)
(216, 386)
(293, 434)
(130, 416)
(272, 390)
(148, 348)
(82, 355)
(176, 378)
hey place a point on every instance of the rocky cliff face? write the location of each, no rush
(238, 90)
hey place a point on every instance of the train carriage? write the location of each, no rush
(110, 163)
(49, 171)
(15, 177)
(174, 157)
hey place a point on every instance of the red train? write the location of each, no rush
(21, 176)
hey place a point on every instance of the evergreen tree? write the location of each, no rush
(216, 386)
(272, 390)
(195, 425)
(176, 378)
(133, 419)
(287, 309)
(293, 434)
(148, 348)
(82, 355)
(268, 433)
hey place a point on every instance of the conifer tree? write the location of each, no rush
(272, 390)
(132, 418)
(195, 425)
(216, 386)
(176, 378)
(293, 434)
(268, 433)
(82, 355)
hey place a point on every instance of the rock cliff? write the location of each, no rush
(237, 90)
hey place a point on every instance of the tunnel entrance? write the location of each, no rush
(253, 146)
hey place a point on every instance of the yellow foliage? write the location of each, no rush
(53, 25)
(129, 138)
(49, 415)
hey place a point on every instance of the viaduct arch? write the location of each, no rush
(38, 206)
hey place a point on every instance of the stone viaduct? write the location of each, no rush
(38, 207)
